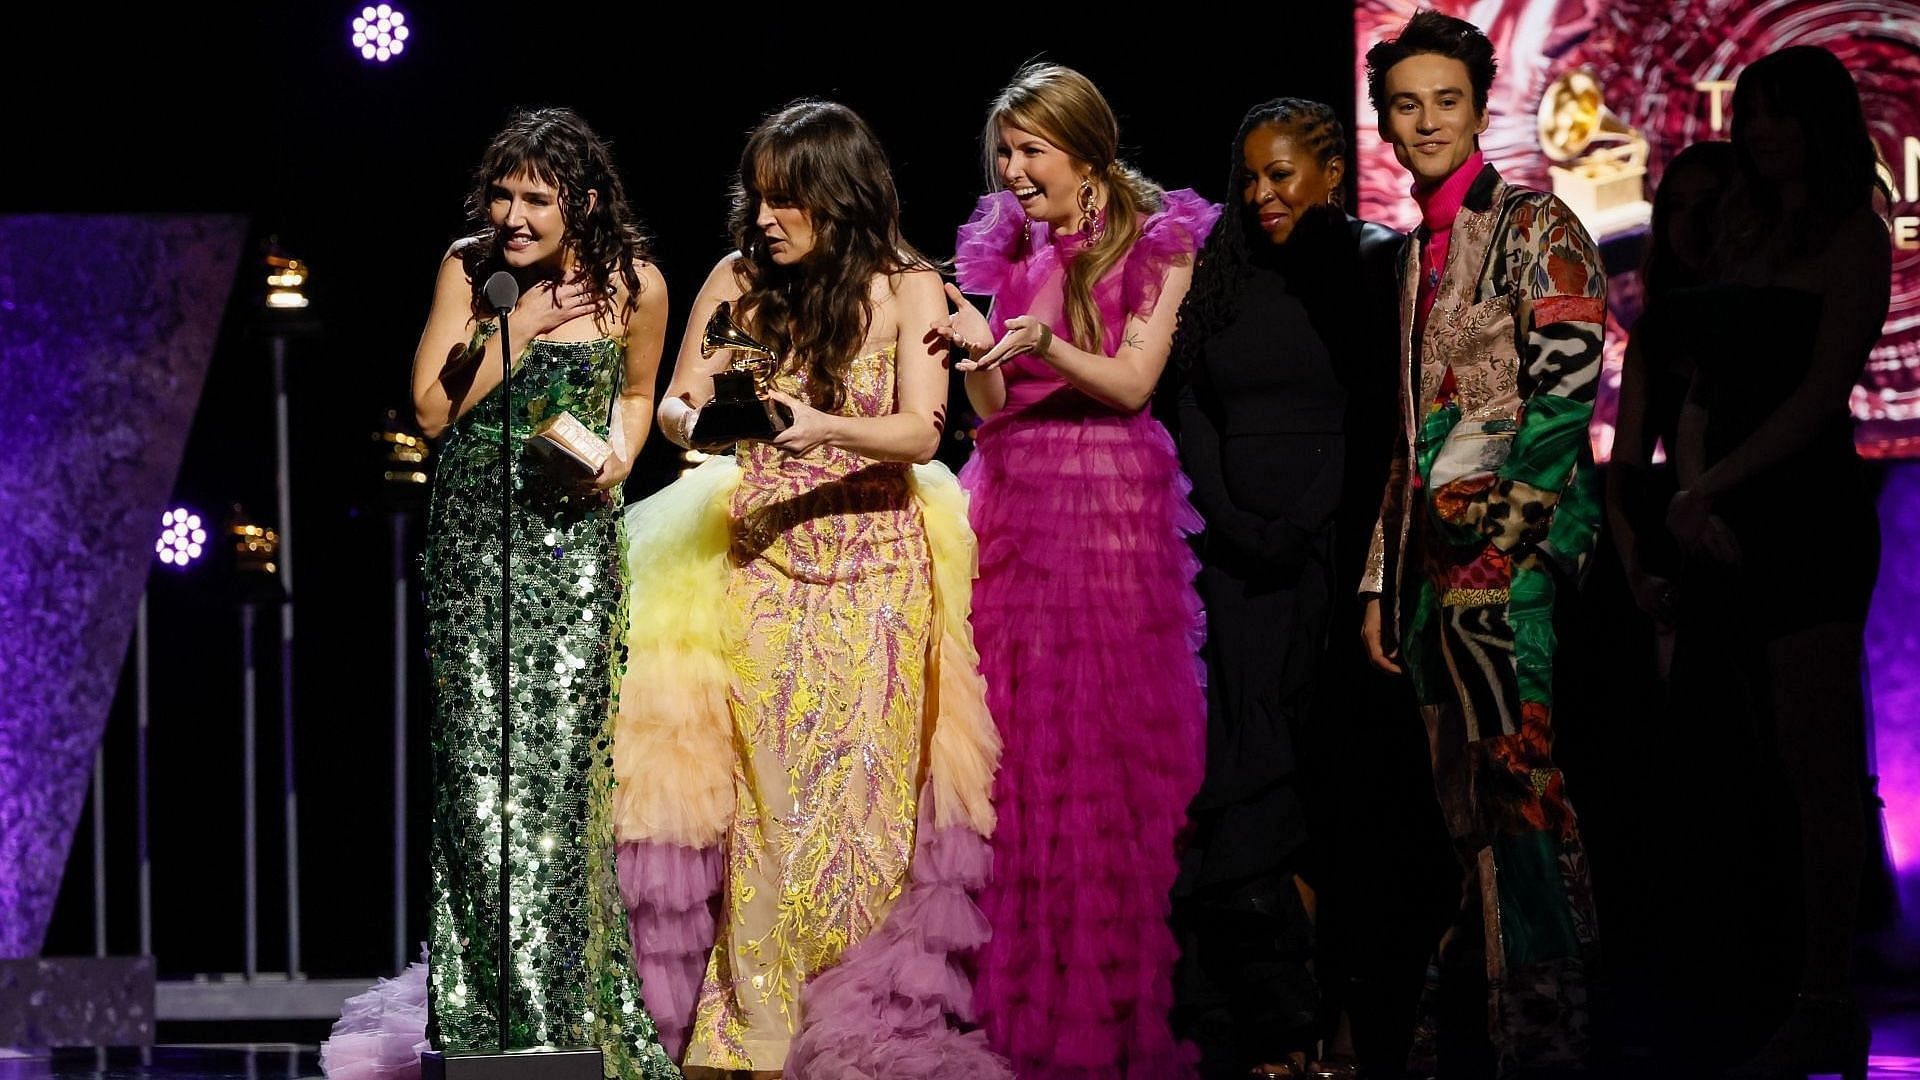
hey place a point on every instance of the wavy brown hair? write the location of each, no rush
(555, 146)
(1063, 107)
(821, 157)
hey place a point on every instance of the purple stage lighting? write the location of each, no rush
(380, 32)
(183, 538)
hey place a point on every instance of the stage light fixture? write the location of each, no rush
(183, 538)
(380, 32)
(286, 280)
(255, 547)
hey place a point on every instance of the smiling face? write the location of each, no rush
(527, 216)
(1282, 180)
(1045, 178)
(1430, 119)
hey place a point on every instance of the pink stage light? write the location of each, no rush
(379, 33)
(183, 538)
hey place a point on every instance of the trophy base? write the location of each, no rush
(1607, 197)
(723, 423)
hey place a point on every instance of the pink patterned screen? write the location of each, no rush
(1650, 58)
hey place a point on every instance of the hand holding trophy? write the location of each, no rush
(740, 410)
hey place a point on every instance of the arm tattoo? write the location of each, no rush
(1133, 341)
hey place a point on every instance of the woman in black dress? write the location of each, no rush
(1287, 344)
(1774, 497)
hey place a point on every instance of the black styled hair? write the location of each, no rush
(1430, 32)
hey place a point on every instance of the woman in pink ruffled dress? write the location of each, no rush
(1085, 612)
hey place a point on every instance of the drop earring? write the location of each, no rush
(1089, 207)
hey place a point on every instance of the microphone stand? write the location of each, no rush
(502, 293)
(495, 292)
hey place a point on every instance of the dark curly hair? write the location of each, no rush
(1430, 32)
(1226, 260)
(555, 146)
(821, 157)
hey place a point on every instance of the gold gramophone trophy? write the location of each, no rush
(739, 411)
(1604, 186)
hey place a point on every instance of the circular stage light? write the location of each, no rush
(183, 538)
(380, 32)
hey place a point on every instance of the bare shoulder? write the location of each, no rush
(1860, 235)
(727, 280)
(457, 251)
(653, 287)
(915, 286)
(453, 284)
(454, 262)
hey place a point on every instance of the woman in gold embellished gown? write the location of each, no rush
(802, 717)
(586, 339)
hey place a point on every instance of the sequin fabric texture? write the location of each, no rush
(571, 981)
(831, 606)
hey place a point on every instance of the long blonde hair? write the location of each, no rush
(1064, 107)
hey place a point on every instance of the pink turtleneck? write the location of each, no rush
(1439, 205)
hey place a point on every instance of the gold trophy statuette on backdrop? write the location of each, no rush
(1605, 187)
(739, 411)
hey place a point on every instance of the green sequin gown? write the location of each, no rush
(573, 982)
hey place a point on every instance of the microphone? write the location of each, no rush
(502, 292)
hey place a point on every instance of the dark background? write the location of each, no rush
(361, 170)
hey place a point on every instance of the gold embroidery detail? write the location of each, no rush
(1473, 597)
(830, 617)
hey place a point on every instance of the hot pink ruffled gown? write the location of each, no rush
(1088, 625)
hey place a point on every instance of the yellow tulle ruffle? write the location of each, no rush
(673, 741)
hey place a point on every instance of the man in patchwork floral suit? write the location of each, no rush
(1490, 510)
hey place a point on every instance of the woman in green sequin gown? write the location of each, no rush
(587, 336)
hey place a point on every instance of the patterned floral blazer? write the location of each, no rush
(1519, 315)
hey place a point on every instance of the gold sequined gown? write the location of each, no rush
(830, 605)
(573, 981)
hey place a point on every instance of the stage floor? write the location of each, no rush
(1896, 1053)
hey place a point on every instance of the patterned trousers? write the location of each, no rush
(1480, 647)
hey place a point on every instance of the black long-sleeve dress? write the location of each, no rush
(1287, 417)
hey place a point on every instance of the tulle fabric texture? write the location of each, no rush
(897, 1003)
(381, 1033)
(1088, 627)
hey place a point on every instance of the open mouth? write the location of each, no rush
(1026, 193)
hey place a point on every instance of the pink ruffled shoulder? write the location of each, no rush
(989, 244)
(1177, 229)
